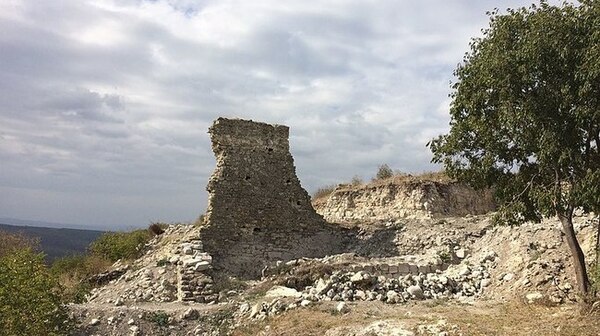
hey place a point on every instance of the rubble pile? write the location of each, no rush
(143, 285)
(459, 282)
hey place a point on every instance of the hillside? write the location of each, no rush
(402, 258)
(459, 276)
(56, 242)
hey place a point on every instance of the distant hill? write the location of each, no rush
(44, 224)
(57, 242)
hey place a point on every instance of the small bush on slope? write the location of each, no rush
(10, 242)
(31, 301)
(384, 172)
(120, 245)
(74, 271)
(323, 192)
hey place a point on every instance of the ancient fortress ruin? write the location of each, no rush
(257, 211)
(387, 243)
(259, 214)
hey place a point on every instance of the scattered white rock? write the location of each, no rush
(415, 291)
(534, 297)
(255, 310)
(135, 330)
(489, 256)
(190, 314)
(281, 291)
(244, 308)
(342, 308)
(485, 282)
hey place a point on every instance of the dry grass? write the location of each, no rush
(323, 192)
(523, 319)
(402, 178)
(397, 178)
(308, 322)
(157, 229)
(483, 319)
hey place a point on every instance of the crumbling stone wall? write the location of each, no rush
(257, 211)
(194, 282)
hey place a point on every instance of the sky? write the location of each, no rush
(105, 105)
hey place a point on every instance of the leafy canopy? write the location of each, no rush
(525, 111)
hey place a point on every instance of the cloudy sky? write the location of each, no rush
(105, 105)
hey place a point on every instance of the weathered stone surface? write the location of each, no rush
(281, 291)
(415, 291)
(257, 211)
(534, 297)
(415, 199)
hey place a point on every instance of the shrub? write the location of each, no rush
(74, 271)
(323, 191)
(157, 228)
(384, 172)
(159, 317)
(356, 180)
(10, 242)
(120, 245)
(30, 297)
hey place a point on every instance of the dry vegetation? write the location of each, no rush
(482, 319)
(384, 178)
(11, 241)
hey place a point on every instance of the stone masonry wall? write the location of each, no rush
(412, 200)
(194, 282)
(257, 211)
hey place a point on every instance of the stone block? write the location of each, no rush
(403, 268)
(424, 269)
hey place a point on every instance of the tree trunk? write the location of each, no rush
(581, 275)
(597, 262)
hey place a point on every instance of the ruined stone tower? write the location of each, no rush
(257, 211)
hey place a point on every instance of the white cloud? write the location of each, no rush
(104, 105)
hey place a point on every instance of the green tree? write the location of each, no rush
(30, 298)
(525, 116)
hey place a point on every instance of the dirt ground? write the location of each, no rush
(430, 318)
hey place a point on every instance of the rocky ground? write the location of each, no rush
(457, 276)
